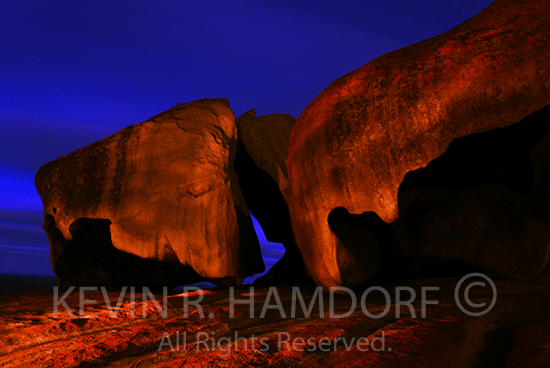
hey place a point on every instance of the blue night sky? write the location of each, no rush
(74, 72)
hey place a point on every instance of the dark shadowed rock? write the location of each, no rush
(261, 164)
(163, 190)
(485, 201)
(355, 142)
(90, 259)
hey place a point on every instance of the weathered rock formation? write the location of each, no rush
(168, 189)
(353, 145)
(261, 164)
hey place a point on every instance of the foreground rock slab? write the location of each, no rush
(128, 332)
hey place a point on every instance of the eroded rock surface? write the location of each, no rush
(168, 189)
(355, 142)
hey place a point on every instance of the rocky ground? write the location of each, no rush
(128, 332)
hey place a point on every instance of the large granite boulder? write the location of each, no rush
(352, 146)
(165, 188)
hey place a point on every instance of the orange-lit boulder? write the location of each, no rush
(168, 188)
(355, 142)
